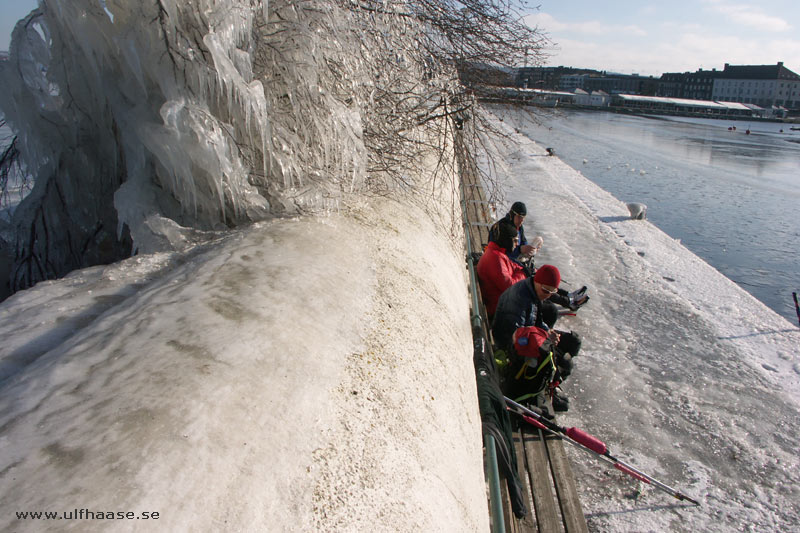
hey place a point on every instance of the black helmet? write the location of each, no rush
(518, 208)
(505, 235)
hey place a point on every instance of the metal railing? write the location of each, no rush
(493, 474)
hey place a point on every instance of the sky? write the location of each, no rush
(653, 37)
(12, 11)
(647, 38)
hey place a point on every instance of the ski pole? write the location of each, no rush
(583, 440)
(796, 306)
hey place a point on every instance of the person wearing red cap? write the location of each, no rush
(548, 275)
(496, 271)
(520, 305)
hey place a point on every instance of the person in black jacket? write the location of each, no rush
(521, 305)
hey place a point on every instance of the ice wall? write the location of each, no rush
(138, 120)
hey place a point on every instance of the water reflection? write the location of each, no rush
(730, 197)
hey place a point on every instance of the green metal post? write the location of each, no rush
(498, 522)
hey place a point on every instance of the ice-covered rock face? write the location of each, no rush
(208, 113)
(166, 91)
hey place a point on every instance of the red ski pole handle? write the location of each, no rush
(589, 441)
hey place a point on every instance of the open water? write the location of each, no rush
(732, 198)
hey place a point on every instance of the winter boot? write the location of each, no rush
(560, 401)
(578, 298)
(542, 404)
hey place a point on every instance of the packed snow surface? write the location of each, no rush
(682, 373)
(298, 375)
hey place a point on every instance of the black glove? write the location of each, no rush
(564, 366)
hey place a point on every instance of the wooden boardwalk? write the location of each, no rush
(544, 470)
(549, 485)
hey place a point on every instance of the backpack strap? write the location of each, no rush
(522, 374)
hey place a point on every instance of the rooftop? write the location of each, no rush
(759, 72)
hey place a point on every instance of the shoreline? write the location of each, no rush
(636, 111)
(690, 172)
(648, 114)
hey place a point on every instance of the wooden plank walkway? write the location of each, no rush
(549, 485)
(552, 497)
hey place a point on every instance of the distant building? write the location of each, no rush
(774, 90)
(581, 97)
(550, 77)
(595, 99)
(686, 107)
(538, 77)
(568, 79)
(696, 85)
(600, 99)
(769, 86)
(622, 83)
(570, 82)
(699, 85)
(671, 84)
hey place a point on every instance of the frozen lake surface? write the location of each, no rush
(730, 197)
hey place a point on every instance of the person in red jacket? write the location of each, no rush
(496, 271)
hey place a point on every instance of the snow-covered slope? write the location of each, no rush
(299, 375)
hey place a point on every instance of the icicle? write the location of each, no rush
(189, 120)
